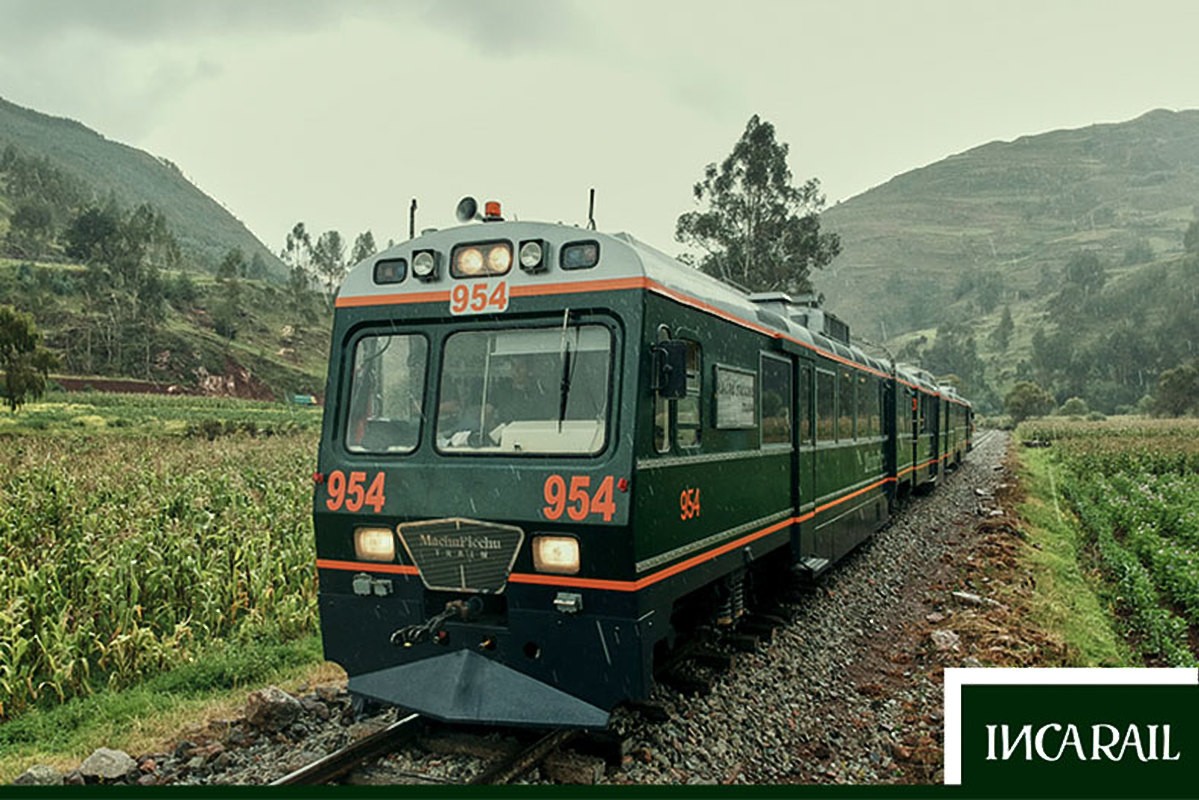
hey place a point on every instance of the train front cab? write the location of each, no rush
(426, 505)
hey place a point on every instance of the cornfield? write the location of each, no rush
(1135, 489)
(121, 556)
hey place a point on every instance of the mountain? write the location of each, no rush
(204, 229)
(1004, 218)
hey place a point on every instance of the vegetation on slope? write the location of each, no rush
(990, 247)
(100, 168)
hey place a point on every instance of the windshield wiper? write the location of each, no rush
(564, 387)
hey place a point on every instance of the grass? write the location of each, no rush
(146, 717)
(1070, 601)
(61, 413)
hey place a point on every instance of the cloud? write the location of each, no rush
(30, 23)
(508, 28)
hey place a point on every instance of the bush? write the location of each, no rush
(1074, 407)
(1027, 399)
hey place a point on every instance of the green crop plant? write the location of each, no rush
(1134, 486)
(125, 555)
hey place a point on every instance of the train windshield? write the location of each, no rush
(385, 397)
(525, 391)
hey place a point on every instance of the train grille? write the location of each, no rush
(462, 555)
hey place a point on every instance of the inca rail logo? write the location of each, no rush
(1055, 741)
(1072, 731)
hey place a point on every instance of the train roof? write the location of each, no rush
(624, 262)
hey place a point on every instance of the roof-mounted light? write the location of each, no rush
(481, 260)
(532, 256)
(424, 264)
(491, 211)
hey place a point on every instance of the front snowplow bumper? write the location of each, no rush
(463, 686)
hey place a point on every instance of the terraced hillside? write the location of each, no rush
(1001, 218)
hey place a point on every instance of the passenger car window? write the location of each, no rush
(776, 401)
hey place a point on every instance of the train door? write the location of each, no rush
(913, 444)
(932, 418)
(891, 441)
(946, 436)
(805, 546)
(806, 469)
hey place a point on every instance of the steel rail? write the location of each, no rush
(339, 762)
(511, 768)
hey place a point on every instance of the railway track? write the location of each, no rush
(341, 763)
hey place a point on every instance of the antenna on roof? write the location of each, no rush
(591, 211)
(412, 219)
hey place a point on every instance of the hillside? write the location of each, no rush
(204, 229)
(266, 343)
(1001, 217)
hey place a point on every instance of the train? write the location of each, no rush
(546, 451)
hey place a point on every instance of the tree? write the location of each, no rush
(93, 235)
(1177, 391)
(257, 268)
(758, 230)
(1190, 239)
(329, 256)
(228, 309)
(364, 247)
(297, 250)
(29, 230)
(954, 351)
(25, 362)
(1027, 399)
(1087, 271)
(1001, 337)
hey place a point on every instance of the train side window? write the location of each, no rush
(687, 409)
(864, 397)
(845, 406)
(826, 406)
(776, 401)
(876, 413)
(804, 414)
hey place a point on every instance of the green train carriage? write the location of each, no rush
(543, 446)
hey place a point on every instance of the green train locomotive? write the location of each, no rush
(545, 446)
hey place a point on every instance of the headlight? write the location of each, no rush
(532, 256)
(481, 260)
(374, 544)
(499, 259)
(470, 261)
(424, 264)
(557, 554)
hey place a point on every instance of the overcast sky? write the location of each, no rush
(338, 113)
